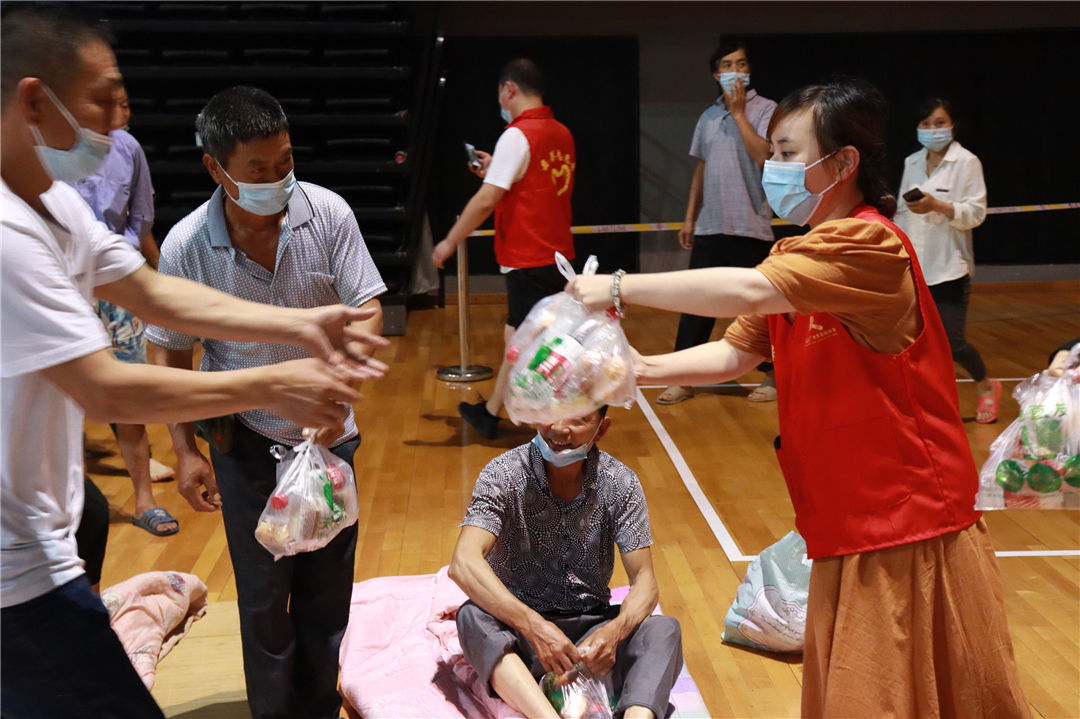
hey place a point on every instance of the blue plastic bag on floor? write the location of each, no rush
(769, 611)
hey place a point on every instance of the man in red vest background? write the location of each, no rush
(527, 183)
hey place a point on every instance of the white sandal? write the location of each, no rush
(675, 394)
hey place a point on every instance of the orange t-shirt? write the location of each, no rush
(857, 271)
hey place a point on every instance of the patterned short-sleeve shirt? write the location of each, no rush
(558, 556)
(321, 260)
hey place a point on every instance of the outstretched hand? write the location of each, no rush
(325, 331)
(593, 291)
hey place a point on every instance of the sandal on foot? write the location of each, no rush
(675, 394)
(154, 518)
(762, 393)
(986, 406)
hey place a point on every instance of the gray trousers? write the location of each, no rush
(646, 664)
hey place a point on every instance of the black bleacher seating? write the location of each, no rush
(343, 71)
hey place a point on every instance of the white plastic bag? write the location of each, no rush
(567, 361)
(577, 694)
(769, 611)
(1035, 462)
(315, 498)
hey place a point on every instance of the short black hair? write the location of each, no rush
(44, 41)
(524, 73)
(726, 47)
(239, 114)
(602, 409)
(926, 108)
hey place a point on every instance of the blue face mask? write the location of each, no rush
(936, 139)
(785, 189)
(505, 115)
(727, 80)
(563, 457)
(84, 157)
(264, 198)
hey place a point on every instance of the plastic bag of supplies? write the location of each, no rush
(315, 498)
(1035, 462)
(577, 694)
(567, 361)
(769, 611)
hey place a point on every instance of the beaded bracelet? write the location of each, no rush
(616, 299)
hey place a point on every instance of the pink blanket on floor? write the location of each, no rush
(400, 657)
(151, 612)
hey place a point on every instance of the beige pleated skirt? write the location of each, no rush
(915, 631)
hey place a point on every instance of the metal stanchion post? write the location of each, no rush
(465, 372)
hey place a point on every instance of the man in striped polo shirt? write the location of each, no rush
(264, 236)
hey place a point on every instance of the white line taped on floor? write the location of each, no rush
(727, 542)
(720, 530)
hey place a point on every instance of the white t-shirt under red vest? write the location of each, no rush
(532, 220)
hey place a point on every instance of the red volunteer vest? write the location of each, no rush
(532, 220)
(872, 446)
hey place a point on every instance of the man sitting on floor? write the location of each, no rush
(535, 556)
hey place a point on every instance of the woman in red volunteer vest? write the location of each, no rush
(906, 616)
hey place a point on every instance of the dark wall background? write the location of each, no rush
(1014, 104)
(1010, 67)
(592, 89)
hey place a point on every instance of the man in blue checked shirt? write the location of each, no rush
(263, 236)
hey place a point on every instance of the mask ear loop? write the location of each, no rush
(79, 129)
(60, 106)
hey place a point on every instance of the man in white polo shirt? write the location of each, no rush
(59, 655)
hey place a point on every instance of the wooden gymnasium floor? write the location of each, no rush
(417, 466)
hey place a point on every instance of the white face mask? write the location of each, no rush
(785, 189)
(84, 157)
(563, 457)
(935, 139)
(263, 198)
(727, 80)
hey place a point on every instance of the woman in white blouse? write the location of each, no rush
(942, 198)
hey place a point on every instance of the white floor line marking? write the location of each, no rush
(720, 530)
(723, 536)
(1041, 553)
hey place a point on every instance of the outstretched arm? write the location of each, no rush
(708, 292)
(709, 363)
(201, 311)
(309, 392)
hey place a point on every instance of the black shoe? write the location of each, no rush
(481, 420)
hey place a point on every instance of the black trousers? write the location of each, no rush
(92, 536)
(951, 299)
(293, 612)
(718, 251)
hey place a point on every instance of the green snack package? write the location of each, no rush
(1043, 478)
(1010, 475)
(1071, 470)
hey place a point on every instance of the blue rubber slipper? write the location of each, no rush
(154, 518)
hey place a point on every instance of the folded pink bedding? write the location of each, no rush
(400, 657)
(151, 612)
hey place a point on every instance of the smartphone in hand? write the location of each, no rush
(913, 195)
(474, 161)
